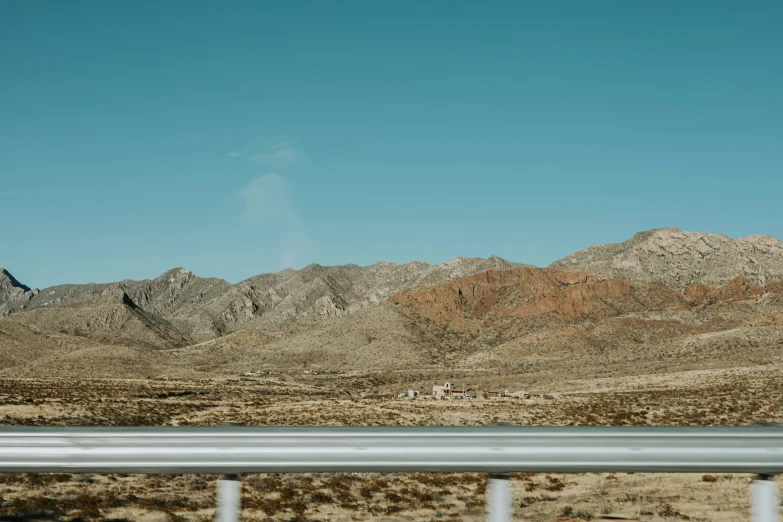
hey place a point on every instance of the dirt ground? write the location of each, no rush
(739, 396)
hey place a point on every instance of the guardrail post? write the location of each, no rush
(229, 499)
(499, 499)
(765, 500)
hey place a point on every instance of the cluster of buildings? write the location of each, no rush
(254, 373)
(451, 391)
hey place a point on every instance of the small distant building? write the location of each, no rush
(463, 393)
(449, 391)
(442, 391)
(497, 394)
(413, 393)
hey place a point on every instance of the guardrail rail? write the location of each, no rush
(497, 450)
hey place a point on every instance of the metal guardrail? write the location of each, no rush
(496, 449)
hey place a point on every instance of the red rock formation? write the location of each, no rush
(496, 296)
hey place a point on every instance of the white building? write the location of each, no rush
(442, 391)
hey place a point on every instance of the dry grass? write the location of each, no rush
(706, 398)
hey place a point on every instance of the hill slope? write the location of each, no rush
(680, 259)
(203, 309)
(572, 322)
(467, 313)
(12, 292)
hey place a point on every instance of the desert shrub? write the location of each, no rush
(339, 481)
(173, 517)
(288, 493)
(368, 490)
(709, 478)
(667, 511)
(430, 479)
(319, 497)
(267, 483)
(270, 506)
(582, 514)
(298, 507)
(393, 497)
(555, 484)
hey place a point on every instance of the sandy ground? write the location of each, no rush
(741, 396)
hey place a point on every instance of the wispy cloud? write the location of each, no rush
(268, 200)
(280, 154)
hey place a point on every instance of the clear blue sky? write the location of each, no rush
(235, 138)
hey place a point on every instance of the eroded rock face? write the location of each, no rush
(527, 314)
(316, 293)
(735, 290)
(12, 293)
(682, 259)
(635, 292)
(496, 318)
(202, 309)
(494, 297)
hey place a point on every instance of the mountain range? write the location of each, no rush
(662, 294)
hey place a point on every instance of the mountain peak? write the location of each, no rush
(175, 275)
(179, 271)
(10, 281)
(680, 259)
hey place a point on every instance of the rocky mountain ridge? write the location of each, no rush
(680, 259)
(200, 309)
(673, 291)
(12, 292)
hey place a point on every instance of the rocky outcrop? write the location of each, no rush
(109, 317)
(324, 317)
(681, 259)
(494, 298)
(317, 293)
(659, 286)
(13, 294)
(737, 289)
(9, 285)
(203, 309)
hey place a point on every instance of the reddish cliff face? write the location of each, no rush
(735, 290)
(498, 298)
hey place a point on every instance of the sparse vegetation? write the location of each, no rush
(342, 496)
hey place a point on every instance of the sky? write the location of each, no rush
(236, 138)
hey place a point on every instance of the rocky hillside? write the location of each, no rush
(110, 318)
(316, 293)
(191, 308)
(509, 319)
(670, 298)
(12, 292)
(492, 319)
(680, 259)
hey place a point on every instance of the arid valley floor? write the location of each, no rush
(729, 396)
